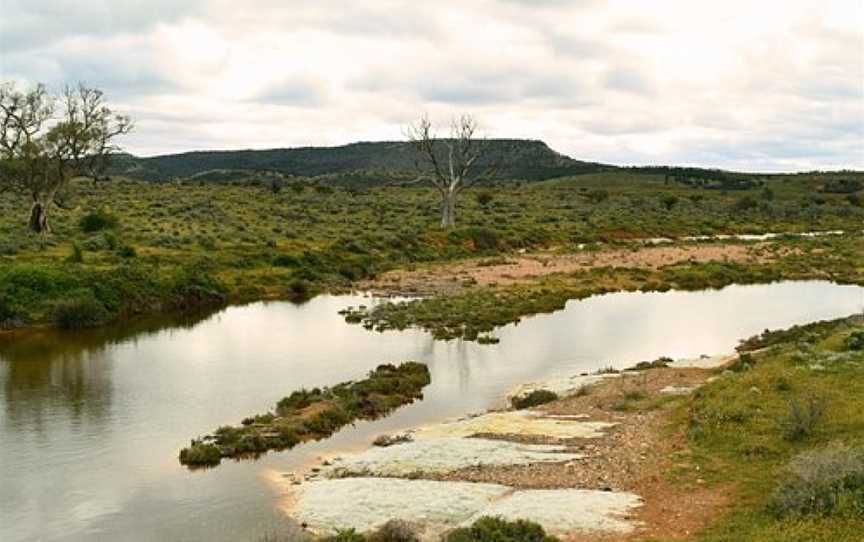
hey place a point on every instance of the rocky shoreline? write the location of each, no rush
(584, 465)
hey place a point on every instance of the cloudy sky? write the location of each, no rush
(756, 85)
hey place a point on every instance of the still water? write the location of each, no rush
(91, 423)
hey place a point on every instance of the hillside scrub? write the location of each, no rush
(312, 414)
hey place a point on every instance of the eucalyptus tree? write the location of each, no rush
(451, 165)
(46, 140)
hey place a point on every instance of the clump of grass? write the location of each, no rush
(532, 399)
(822, 482)
(802, 418)
(496, 529)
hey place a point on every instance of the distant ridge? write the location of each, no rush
(362, 162)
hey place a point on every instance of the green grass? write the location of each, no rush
(311, 414)
(738, 432)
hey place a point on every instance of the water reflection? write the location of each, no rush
(47, 369)
(90, 423)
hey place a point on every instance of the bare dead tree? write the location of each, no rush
(453, 164)
(47, 140)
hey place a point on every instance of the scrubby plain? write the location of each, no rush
(126, 247)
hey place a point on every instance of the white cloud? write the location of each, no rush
(749, 85)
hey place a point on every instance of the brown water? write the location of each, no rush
(91, 423)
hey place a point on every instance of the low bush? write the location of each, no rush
(200, 454)
(127, 251)
(97, 220)
(194, 286)
(822, 482)
(300, 289)
(855, 341)
(482, 239)
(495, 529)
(80, 311)
(535, 398)
(802, 418)
(394, 530)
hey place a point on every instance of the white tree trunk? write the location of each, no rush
(448, 209)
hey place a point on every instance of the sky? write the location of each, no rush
(749, 85)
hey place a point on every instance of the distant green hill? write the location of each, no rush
(354, 163)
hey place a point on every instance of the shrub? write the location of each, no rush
(484, 198)
(481, 238)
(79, 312)
(299, 289)
(746, 203)
(744, 362)
(855, 341)
(97, 221)
(597, 195)
(394, 530)
(127, 251)
(200, 454)
(535, 398)
(194, 286)
(822, 482)
(494, 529)
(802, 418)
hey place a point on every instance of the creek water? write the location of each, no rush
(91, 422)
